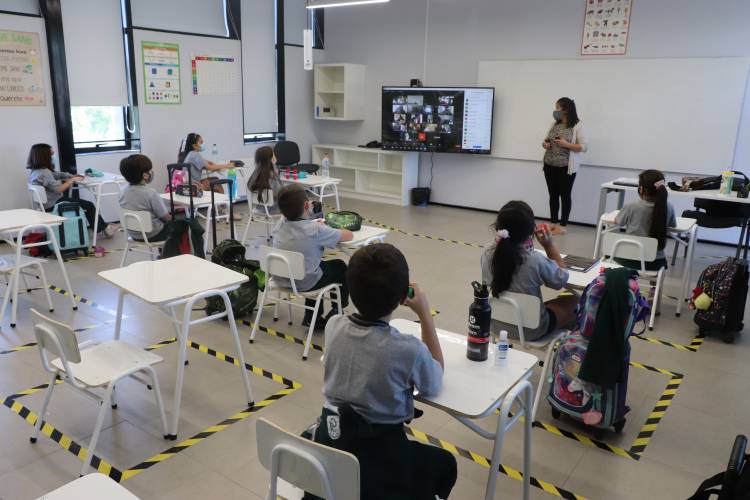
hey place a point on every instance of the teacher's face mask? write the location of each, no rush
(557, 115)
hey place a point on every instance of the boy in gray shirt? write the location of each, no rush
(298, 233)
(137, 196)
(371, 373)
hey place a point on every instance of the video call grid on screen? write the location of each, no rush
(441, 119)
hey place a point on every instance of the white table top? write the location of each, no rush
(94, 486)
(199, 202)
(21, 217)
(108, 177)
(471, 388)
(710, 194)
(684, 224)
(176, 278)
(310, 180)
(579, 280)
(364, 234)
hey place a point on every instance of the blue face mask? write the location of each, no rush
(557, 115)
(53, 159)
(202, 148)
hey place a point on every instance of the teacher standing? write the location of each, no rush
(563, 147)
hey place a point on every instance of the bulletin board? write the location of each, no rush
(21, 77)
(215, 75)
(606, 26)
(161, 72)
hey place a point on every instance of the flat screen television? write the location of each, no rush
(438, 119)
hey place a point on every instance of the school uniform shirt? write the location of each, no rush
(578, 136)
(309, 238)
(636, 218)
(50, 181)
(375, 368)
(197, 164)
(142, 198)
(535, 270)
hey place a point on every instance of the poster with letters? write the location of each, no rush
(161, 72)
(215, 75)
(21, 77)
(606, 26)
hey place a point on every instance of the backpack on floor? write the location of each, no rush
(40, 251)
(725, 284)
(72, 235)
(734, 482)
(590, 403)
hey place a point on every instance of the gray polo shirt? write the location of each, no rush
(535, 270)
(375, 369)
(197, 164)
(139, 197)
(636, 218)
(50, 181)
(309, 238)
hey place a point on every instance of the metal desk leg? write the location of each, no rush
(118, 319)
(602, 202)
(56, 249)
(620, 199)
(687, 272)
(97, 205)
(598, 238)
(182, 340)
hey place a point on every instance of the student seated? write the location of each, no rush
(370, 374)
(41, 163)
(138, 196)
(265, 177)
(511, 264)
(298, 233)
(649, 216)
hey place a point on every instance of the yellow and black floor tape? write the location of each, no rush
(649, 427)
(694, 345)
(19, 348)
(118, 475)
(83, 300)
(485, 462)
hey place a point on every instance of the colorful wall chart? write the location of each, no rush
(21, 78)
(215, 75)
(606, 25)
(161, 72)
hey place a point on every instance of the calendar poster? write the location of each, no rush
(215, 75)
(606, 26)
(161, 72)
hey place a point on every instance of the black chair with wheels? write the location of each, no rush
(287, 156)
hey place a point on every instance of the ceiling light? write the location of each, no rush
(321, 4)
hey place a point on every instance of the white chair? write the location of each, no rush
(290, 265)
(641, 249)
(139, 221)
(91, 366)
(260, 212)
(523, 311)
(320, 470)
(38, 197)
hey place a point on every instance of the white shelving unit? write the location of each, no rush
(371, 174)
(339, 88)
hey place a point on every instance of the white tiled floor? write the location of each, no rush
(691, 442)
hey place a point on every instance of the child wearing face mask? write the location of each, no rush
(298, 233)
(511, 264)
(138, 196)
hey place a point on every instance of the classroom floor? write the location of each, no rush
(690, 441)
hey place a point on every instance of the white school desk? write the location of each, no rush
(684, 226)
(17, 223)
(475, 389)
(316, 185)
(365, 236)
(95, 486)
(95, 185)
(169, 283)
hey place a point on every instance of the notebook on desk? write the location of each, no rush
(580, 264)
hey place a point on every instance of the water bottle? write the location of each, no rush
(501, 353)
(326, 167)
(215, 153)
(478, 340)
(232, 175)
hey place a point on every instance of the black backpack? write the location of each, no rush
(732, 484)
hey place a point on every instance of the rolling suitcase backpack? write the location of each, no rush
(186, 235)
(723, 288)
(593, 404)
(72, 235)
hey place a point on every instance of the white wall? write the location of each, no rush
(390, 40)
(23, 126)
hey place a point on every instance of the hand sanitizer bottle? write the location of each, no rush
(214, 153)
(326, 166)
(501, 353)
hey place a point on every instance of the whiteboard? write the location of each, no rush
(677, 115)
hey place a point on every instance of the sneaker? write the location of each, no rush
(111, 229)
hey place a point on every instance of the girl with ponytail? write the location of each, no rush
(649, 216)
(511, 264)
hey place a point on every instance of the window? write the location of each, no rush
(99, 128)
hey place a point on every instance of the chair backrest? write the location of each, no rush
(282, 263)
(287, 153)
(513, 307)
(38, 197)
(629, 246)
(268, 199)
(320, 470)
(57, 338)
(136, 220)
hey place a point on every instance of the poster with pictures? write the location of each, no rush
(215, 75)
(606, 26)
(21, 77)
(161, 72)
